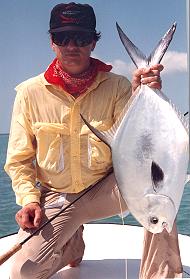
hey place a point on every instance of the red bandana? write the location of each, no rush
(75, 84)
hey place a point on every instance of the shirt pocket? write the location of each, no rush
(99, 154)
(50, 147)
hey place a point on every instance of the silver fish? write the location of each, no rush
(149, 145)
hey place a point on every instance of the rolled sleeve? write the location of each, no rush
(123, 96)
(21, 152)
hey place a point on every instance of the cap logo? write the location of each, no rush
(70, 12)
(68, 19)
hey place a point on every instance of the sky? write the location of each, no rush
(25, 50)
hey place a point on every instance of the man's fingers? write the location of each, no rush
(139, 72)
(146, 80)
(151, 73)
(24, 220)
(158, 67)
(38, 216)
(152, 79)
(155, 85)
(29, 216)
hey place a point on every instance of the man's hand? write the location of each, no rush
(149, 76)
(29, 216)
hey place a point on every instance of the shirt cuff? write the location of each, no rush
(28, 199)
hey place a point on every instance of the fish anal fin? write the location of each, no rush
(101, 135)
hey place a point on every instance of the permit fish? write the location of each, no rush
(149, 145)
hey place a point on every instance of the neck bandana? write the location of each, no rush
(75, 84)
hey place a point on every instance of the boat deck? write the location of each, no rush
(112, 251)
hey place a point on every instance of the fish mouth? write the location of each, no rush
(165, 226)
(155, 220)
(158, 219)
(159, 226)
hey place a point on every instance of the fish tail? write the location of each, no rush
(138, 58)
(162, 46)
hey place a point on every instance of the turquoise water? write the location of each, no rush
(9, 208)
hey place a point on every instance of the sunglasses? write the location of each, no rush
(80, 39)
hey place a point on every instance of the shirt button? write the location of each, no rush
(76, 183)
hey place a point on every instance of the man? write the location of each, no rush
(50, 144)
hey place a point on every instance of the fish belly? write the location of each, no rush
(150, 132)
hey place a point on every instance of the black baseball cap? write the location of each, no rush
(72, 16)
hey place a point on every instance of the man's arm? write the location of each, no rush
(20, 164)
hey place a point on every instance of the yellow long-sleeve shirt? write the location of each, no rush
(50, 143)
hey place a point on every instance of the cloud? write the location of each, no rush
(122, 68)
(173, 62)
(119, 67)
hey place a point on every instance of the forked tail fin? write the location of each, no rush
(138, 58)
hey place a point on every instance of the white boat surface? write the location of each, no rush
(112, 251)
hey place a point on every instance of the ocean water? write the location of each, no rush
(8, 208)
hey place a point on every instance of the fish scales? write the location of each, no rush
(149, 145)
(144, 138)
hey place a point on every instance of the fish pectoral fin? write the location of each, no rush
(103, 136)
(157, 176)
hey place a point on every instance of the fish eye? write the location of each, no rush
(154, 220)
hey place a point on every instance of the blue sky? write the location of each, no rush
(25, 49)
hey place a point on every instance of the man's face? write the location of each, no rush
(73, 50)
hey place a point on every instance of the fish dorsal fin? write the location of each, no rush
(108, 136)
(184, 118)
(111, 133)
(138, 58)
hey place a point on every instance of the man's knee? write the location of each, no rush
(28, 269)
(25, 270)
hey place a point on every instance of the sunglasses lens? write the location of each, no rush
(80, 39)
(84, 39)
(60, 39)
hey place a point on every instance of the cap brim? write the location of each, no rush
(70, 28)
